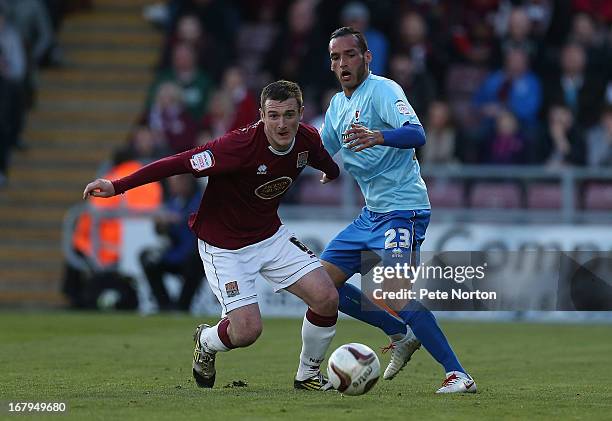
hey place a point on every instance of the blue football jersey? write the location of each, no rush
(389, 178)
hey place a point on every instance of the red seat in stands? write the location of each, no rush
(495, 195)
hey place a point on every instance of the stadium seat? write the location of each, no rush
(311, 192)
(495, 195)
(544, 196)
(598, 196)
(446, 194)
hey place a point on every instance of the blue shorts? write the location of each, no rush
(394, 236)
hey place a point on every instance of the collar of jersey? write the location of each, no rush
(275, 152)
(348, 98)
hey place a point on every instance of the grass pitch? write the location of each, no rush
(124, 366)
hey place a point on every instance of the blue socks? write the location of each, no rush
(357, 305)
(419, 318)
(426, 329)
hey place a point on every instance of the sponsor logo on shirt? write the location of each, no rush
(273, 188)
(302, 159)
(231, 288)
(262, 169)
(397, 253)
(402, 107)
(202, 161)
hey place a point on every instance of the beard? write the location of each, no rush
(360, 75)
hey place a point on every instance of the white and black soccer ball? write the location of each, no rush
(353, 369)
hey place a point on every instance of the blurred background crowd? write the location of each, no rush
(493, 81)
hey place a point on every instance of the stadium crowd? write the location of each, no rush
(493, 81)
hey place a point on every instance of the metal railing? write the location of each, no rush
(570, 180)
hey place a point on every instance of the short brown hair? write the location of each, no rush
(349, 30)
(281, 90)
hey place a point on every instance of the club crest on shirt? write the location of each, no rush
(273, 188)
(302, 159)
(202, 161)
(231, 288)
(402, 107)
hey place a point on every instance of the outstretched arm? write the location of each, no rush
(154, 171)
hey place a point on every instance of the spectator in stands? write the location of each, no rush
(245, 109)
(180, 255)
(256, 37)
(518, 35)
(562, 142)
(579, 91)
(296, 53)
(412, 40)
(220, 114)
(599, 141)
(507, 146)
(32, 21)
(210, 57)
(12, 99)
(412, 37)
(143, 145)
(514, 87)
(220, 18)
(170, 120)
(195, 84)
(419, 86)
(77, 284)
(357, 15)
(440, 147)
(473, 45)
(585, 32)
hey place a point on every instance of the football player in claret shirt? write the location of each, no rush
(376, 131)
(240, 234)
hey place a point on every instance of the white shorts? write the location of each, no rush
(281, 259)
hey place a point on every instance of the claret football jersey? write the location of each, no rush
(247, 179)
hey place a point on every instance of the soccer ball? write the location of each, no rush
(353, 369)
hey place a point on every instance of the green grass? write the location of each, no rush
(123, 366)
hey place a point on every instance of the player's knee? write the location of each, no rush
(335, 273)
(246, 332)
(327, 304)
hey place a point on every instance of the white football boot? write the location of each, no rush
(457, 382)
(401, 352)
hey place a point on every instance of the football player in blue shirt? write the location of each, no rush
(376, 131)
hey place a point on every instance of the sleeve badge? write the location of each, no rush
(202, 160)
